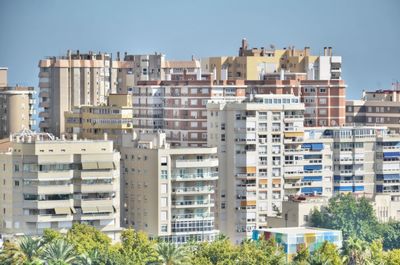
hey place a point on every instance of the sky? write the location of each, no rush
(366, 33)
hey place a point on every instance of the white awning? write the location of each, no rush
(89, 209)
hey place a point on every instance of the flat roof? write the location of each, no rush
(297, 230)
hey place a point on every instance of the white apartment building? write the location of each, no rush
(169, 192)
(366, 163)
(264, 157)
(52, 183)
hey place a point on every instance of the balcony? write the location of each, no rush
(87, 188)
(193, 216)
(195, 176)
(212, 162)
(48, 218)
(44, 104)
(192, 203)
(193, 190)
(49, 189)
(44, 124)
(46, 204)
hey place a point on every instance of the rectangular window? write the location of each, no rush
(164, 174)
(164, 215)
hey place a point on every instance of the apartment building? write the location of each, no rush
(79, 79)
(324, 100)
(3, 76)
(17, 109)
(51, 183)
(380, 107)
(255, 63)
(264, 157)
(169, 192)
(182, 70)
(179, 107)
(92, 122)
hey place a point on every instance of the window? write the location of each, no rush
(305, 218)
(163, 160)
(193, 102)
(16, 183)
(223, 137)
(164, 202)
(164, 188)
(322, 90)
(164, 215)
(164, 174)
(322, 111)
(322, 101)
(16, 168)
(164, 228)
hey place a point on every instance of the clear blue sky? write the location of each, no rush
(365, 32)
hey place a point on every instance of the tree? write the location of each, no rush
(50, 234)
(259, 252)
(171, 254)
(390, 233)
(357, 252)
(220, 251)
(59, 252)
(354, 217)
(137, 248)
(25, 251)
(392, 257)
(87, 238)
(327, 254)
(302, 257)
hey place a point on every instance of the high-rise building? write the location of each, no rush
(264, 157)
(179, 107)
(366, 163)
(16, 109)
(169, 192)
(52, 183)
(380, 107)
(92, 122)
(255, 64)
(324, 100)
(3, 76)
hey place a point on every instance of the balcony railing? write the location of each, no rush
(196, 176)
(191, 202)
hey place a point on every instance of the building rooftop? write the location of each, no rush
(297, 230)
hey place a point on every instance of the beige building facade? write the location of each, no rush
(169, 191)
(380, 108)
(53, 183)
(16, 109)
(92, 122)
(264, 157)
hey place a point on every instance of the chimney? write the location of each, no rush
(325, 51)
(244, 47)
(118, 58)
(262, 51)
(306, 51)
(330, 51)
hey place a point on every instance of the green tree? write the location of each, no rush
(221, 251)
(354, 217)
(87, 238)
(392, 257)
(390, 233)
(50, 234)
(25, 250)
(377, 254)
(302, 257)
(59, 252)
(357, 252)
(327, 254)
(171, 254)
(136, 248)
(259, 252)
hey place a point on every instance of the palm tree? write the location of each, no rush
(91, 258)
(171, 254)
(357, 252)
(59, 252)
(25, 250)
